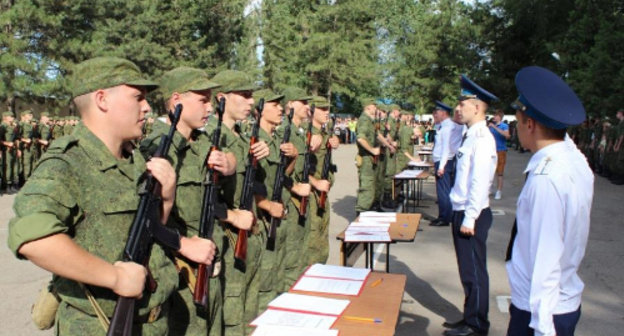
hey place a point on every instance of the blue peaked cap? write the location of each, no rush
(441, 106)
(470, 90)
(545, 97)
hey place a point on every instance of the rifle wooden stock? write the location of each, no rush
(206, 225)
(240, 250)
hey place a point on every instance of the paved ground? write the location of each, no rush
(433, 292)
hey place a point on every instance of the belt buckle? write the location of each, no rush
(154, 314)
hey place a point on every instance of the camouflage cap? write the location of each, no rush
(44, 114)
(404, 112)
(320, 102)
(106, 72)
(267, 94)
(393, 107)
(295, 94)
(368, 101)
(234, 81)
(7, 114)
(25, 113)
(184, 79)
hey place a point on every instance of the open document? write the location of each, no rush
(269, 330)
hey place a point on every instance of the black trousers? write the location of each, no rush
(471, 261)
(520, 319)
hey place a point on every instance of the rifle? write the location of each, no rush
(240, 250)
(278, 184)
(327, 168)
(303, 206)
(51, 132)
(206, 224)
(146, 227)
(376, 141)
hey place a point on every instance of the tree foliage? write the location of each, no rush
(409, 52)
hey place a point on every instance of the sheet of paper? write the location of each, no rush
(377, 215)
(310, 304)
(294, 319)
(329, 286)
(408, 174)
(370, 221)
(337, 272)
(369, 225)
(364, 236)
(269, 330)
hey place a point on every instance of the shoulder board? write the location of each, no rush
(544, 167)
(62, 144)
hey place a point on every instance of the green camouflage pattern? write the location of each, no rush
(184, 79)
(80, 189)
(234, 81)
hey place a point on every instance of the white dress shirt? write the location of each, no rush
(443, 151)
(456, 137)
(476, 162)
(553, 225)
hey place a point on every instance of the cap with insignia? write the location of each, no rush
(441, 106)
(545, 97)
(234, 81)
(320, 102)
(184, 79)
(267, 94)
(470, 90)
(106, 72)
(368, 101)
(295, 94)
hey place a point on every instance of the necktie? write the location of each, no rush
(514, 232)
(463, 139)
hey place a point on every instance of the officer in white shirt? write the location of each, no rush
(472, 218)
(444, 163)
(552, 220)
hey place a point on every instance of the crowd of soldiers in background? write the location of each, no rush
(23, 141)
(600, 139)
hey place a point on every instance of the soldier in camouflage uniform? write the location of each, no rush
(192, 88)
(406, 142)
(45, 135)
(316, 239)
(294, 224)
(241, 285)
(74, 213)
(57, 133)
(10, 132)
(27, 139)
(391, 155)
(271, 267)
(366, 135)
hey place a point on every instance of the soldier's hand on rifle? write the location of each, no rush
(222, 162)
(260, 150)
(376, 151)
(241, 219)
(322, 185)
(129, 279)
(276, 209)
(315, 142)
(197, 249)
(302, 189)
(289, 150)
(334, 142)
(163, 172)
(19, 153)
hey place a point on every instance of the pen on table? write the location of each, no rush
(362, 319)
(377, 282)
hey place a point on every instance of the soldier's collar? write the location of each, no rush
(95, 148)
